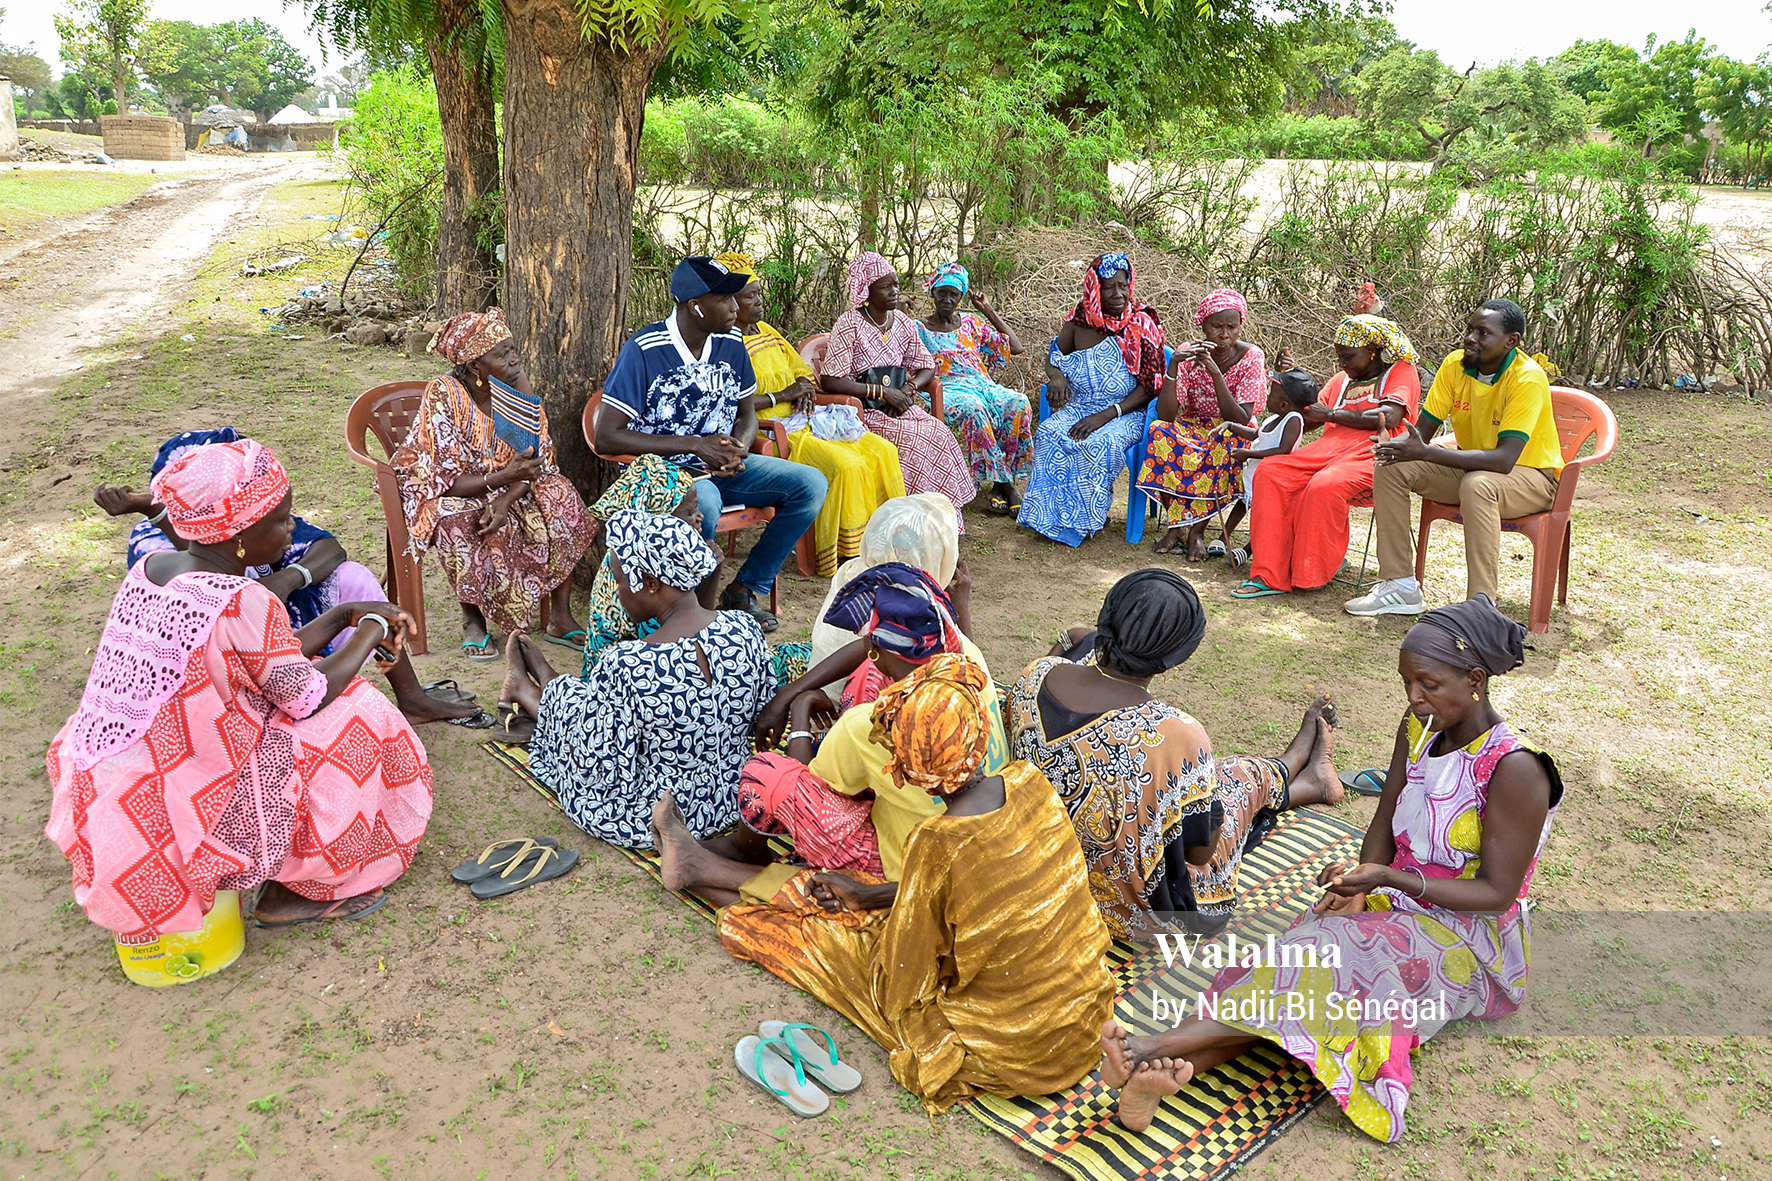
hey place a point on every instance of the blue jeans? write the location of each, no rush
(794, 490)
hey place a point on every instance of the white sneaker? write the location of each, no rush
(1387, 598)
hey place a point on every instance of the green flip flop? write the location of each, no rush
(566, 641)
(1255, 588)
(816, 1050)
(782, 1075)
(481, 653)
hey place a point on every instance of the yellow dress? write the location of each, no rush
(987, 972)
(862, 475)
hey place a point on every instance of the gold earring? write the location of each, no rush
(1474, 697)
(240, 550)
(874, 656)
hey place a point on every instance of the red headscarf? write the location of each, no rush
(1141, 336)
(217, 492)
(470, 336)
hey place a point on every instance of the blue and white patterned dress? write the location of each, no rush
(1072, 483)
(645, 721)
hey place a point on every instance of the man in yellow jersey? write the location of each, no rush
(1507, 463)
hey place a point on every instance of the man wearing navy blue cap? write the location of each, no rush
(682, 388)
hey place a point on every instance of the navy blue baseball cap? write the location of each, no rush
(1300, 387)
(699, 275)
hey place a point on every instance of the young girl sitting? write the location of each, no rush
(1287, 394)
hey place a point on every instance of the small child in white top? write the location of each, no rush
(1287, 394)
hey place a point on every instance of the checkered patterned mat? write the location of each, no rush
(1221, 1120)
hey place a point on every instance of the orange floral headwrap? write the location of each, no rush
(216, 492)
(936, 723)
(469, 336)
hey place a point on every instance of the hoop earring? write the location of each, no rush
(874, 657)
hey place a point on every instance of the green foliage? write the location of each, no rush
(1582, 66)
(28, 72)
(1324, 137)
(393, 151)
(243, 63)
(103, 37)
(1515, 106)
(1653, 99)
(1739, 96)
(707, 141)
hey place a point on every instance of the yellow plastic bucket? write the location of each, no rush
(182, 958)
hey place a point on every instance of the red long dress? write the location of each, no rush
(1298, 522)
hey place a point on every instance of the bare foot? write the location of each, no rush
(519, 686)
(428, 708)
(279, 905)
(1150, 1081)
(678, 850)
(1318, 782)
(1196, 543)
(1116, 1055)
(1166, 544)
(1304, 742)
(536, 661)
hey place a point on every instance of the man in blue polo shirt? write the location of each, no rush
(682, 388)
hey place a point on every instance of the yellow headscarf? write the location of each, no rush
(738, 263)
(936, 724)
(1375, 332)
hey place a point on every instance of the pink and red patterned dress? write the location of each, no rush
(199, 760)
(1188, 470)
(927, 452)
(1398, 948)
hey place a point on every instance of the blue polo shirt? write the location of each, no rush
(668, 390)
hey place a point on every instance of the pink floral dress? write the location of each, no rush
(1188, 470)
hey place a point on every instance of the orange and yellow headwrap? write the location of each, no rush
(936, 723)
(738, 262)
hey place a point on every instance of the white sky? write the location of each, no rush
(1486, 32)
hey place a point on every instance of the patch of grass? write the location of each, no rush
(28, 196)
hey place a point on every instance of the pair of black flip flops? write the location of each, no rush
(504, 867)
(448, 690)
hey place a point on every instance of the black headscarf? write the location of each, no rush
(1472, 634)
(1151, 621)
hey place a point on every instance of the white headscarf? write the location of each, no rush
(921, 531)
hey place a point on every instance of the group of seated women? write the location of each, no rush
(962, 855)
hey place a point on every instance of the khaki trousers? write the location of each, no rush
(1483, 499)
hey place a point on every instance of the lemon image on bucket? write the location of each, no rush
(183, 957)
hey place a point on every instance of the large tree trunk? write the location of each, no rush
(573, 109)
(467, 275)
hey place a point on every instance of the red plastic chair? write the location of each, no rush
(812, 351)
(772, 442)
(388, 411)
(1580, 416)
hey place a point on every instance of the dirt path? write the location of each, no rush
(88, 283)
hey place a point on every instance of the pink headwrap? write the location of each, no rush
(217, 492)
(1221, 300)
(470, 336)
(864, 272)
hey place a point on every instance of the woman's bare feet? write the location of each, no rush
(1318, 782)
(1304, 742)
(678, 850)
(1166, 544)
(519, 687)
(278, 905)
(1196, 542)
(1150, 1081)
(1116, 1055)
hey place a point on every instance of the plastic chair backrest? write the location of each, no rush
(386, 411)
(812, 350)
(1580, 416)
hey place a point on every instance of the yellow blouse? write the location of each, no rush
(778, 365)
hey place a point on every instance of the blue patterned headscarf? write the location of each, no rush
(1111, 264)
(668, 548)
(950, 274)
(899, 609)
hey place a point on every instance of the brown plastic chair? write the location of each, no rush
(773, 442)
(388, 410)
(1580, 416)
(812, 351)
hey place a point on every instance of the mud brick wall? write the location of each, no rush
(143, 137)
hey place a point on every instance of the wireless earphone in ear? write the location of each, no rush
(697, 308)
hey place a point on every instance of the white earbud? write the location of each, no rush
(697, 308)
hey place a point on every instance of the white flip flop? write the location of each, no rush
(782, 1077)
(818, 1054)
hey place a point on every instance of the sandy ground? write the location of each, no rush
(585, 1028)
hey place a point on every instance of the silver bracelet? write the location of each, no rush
(806, 734)
(386, 630)
(1117, 412)
(307, 579)
(158, 517)
(1423, 878)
